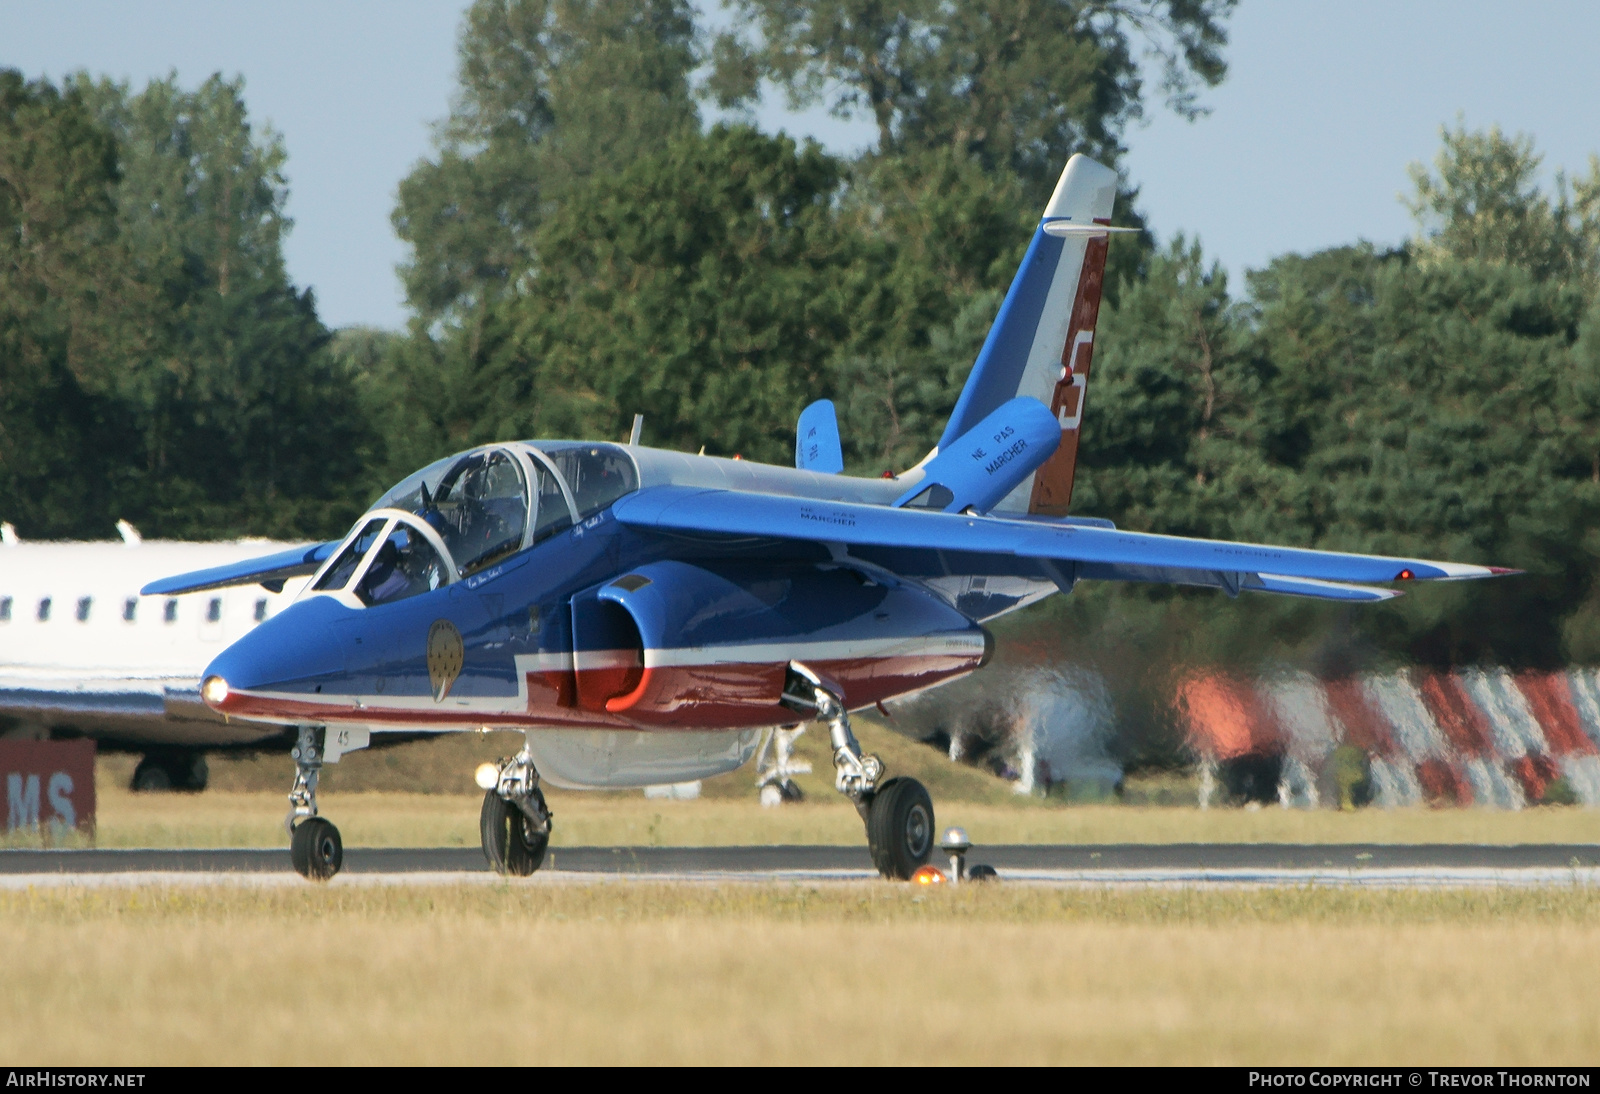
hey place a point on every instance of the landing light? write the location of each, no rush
(214, 691)
(487, 776)
(928, 875)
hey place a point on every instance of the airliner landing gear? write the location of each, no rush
(314, 844)
(170, 769)
(898, 812)
(515, 822)
(775, 781)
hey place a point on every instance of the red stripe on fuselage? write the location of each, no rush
(688, 697)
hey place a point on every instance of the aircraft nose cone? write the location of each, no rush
(294, 651)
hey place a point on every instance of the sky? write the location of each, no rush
(1306, 145)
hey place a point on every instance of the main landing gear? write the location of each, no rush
(515, 822)
(314, 844)
(898, 812)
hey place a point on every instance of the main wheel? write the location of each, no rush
(316, 849)
(150, 775)
(511, 843)
(900, 827)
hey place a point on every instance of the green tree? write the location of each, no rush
(1482, 201)
(702, 286)
(1020, 86)
(237, 405)
(63, 288)
(550, 94)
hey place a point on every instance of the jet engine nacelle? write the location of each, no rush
(672, 644)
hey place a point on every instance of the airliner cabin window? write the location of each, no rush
(261, 609)
(130, 609)
(5, 609)
(597, 474)
(405, 566)
(338, 575)
(44, 610)
(169, 614)
(84, 604)
(214, 610)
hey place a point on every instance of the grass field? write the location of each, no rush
(867, 973)
(547, 971)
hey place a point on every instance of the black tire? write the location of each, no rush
(790, 791)
(316, 849)
(510, 842)
(151, 776)
(982, 872)
(162, 771)
(900, 828)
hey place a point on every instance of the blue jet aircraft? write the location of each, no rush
(645, 616)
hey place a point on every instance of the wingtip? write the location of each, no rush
(1503, 571)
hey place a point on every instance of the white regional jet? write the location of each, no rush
(82, 654)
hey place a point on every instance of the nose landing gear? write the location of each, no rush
(515, 822)
(315, 848)
(898, 812)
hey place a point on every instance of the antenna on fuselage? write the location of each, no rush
(638, 429)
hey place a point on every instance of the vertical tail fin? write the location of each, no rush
(1042, 340)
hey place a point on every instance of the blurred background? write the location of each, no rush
(1361, 315)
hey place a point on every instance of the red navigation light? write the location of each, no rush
(1404, 575)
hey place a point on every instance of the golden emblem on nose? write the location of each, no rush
(444, 657)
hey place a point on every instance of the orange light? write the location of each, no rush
(1404, 575)
(928, 875)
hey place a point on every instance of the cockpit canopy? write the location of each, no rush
(464, 513)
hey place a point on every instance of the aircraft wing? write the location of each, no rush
(1093, 552)
(271, 571)
(134, 711)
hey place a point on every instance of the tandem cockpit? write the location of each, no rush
(462, 514)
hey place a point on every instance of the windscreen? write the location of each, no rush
(405, 566)
(338, 575)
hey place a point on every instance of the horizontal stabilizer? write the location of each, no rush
(1323, 590)
(1065, 229)
(1103, 552)
(271, 571)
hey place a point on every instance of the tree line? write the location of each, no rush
(601, 230)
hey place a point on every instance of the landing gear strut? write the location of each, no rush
(515, 822)
(314, 844)
(898, 812)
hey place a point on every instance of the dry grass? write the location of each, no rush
(639, 973)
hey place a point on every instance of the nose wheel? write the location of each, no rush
(315, 848)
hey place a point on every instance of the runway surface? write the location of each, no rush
(1112, 864)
